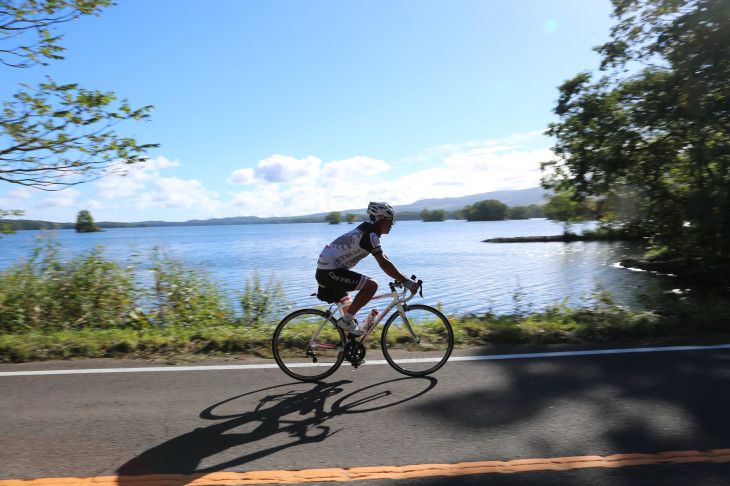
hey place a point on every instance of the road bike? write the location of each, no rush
(416, 340)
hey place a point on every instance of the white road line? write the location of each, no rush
(368, 363)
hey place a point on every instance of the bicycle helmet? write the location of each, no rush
(378, 210)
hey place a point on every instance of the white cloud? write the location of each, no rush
(269, 200)
(279, 169)
(282, 185)
(61, 199)
(447, 148)
(20, 193)
(514, 141)
(520, 137)
(148, 165)
(156, 164)
(114, 187)
(16, 199)
(242, 176)
(473, 167)
(174, 193)
(449, 170)
(93, 205)
(286, 186)
(477, 171)
(353, 168)
(116, 184)
(282, 169)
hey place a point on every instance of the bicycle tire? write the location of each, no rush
(293, 353)
(427, 353)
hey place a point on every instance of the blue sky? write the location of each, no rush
(284, 107)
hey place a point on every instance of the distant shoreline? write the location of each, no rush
(569, 238)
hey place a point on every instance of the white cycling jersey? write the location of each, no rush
(347, 250)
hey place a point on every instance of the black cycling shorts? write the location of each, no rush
(340, 280)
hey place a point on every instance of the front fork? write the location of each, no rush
(402, 309)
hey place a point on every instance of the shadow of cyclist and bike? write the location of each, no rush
(299, 413)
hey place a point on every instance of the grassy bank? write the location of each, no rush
(598, 234)
(157, 307)
(552, 326)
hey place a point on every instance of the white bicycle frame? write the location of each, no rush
(398, 301)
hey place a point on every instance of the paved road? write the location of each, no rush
(185, 422)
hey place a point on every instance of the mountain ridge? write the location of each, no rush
(520, 197)
(517, 197)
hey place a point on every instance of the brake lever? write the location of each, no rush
(420, 285)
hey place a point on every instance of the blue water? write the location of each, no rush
(461, 272)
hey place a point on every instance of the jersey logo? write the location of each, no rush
(324, 251)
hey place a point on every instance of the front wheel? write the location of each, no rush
(419, 344)
(308, 345)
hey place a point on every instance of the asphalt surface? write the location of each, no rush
(184, 422)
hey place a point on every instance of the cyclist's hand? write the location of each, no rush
(410, 285)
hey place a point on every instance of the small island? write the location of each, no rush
(564, 238)
(602, 233)
(85, 223)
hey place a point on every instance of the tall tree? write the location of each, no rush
(335, 217)
(57, 134)
(433, 216)
(562, 207)
(488, 210)
(656, 126)
(85, 223)
(518, 212)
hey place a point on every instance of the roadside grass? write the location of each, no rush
(552, 326)
(172, 345)
(163, 309)
(590, 325)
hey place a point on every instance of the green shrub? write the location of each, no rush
(161, 307)
(46, 293)
(155, 290)
(262, 304)
(180, 295)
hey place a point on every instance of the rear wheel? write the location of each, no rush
(420, 344)
(298, 355)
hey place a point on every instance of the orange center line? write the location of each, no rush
(384, 472)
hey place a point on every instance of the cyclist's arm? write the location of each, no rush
(388, 267)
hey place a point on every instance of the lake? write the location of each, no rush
(460, 271)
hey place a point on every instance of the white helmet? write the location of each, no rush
(381, 209)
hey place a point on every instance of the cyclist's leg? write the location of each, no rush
(345, 302)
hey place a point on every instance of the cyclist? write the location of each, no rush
(337, 258)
